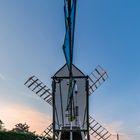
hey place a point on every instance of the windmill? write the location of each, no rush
(70, 93)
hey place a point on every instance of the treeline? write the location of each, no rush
(10, 135)
(19, 132)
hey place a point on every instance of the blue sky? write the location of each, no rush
(107, 33)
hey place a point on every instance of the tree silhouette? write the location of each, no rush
(21, 128)
(1, 125)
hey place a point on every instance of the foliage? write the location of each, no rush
(1, 125)
(10, 135)
(21, 127)
(20, 132)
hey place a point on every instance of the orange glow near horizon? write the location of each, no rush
(14, 114)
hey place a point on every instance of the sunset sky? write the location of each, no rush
(107, 33)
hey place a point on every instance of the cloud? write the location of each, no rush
(13, 114)
(121, 137)
(2, 77)
(117, 127)
(114, 128)
(30, 95)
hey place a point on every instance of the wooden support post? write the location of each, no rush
(117, 136)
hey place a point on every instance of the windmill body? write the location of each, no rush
(70, 104)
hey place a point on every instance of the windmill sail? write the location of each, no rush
(96, 78)
(69, 12)
(97, 130)
(34, 84)
(47, 133)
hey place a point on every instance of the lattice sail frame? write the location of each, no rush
(96, 78)
(46, 134)
(96, 130)
(34, 84)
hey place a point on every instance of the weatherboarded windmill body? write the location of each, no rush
(70, 92)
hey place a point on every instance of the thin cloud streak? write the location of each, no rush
(2, 77)
(116, 127)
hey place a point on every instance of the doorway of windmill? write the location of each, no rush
(75, 136)
(68, 135)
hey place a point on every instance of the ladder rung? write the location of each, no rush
(98, 128)
(103, 136)
(108, 136)
(44, 93)
(32, 83)
(36, 86)
(40, 89)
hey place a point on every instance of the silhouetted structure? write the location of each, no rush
(70, 93)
